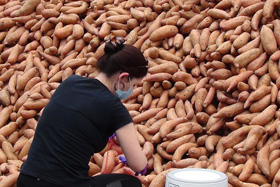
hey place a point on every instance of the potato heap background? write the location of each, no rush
(210, 100)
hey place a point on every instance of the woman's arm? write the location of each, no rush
(129, 143)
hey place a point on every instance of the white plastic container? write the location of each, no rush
(196, 177)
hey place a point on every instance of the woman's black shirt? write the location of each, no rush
(75, 124)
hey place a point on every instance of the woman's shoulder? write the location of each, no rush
(71, 78)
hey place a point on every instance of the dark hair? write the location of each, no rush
(122, 57)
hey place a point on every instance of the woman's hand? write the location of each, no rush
(142, 172)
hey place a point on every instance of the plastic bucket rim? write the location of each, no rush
(222, 178)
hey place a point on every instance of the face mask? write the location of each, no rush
(124, 94)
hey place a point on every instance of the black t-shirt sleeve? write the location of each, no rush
(119, 115)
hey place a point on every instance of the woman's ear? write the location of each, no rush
(123, 75)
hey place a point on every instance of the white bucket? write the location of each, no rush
(196, 177)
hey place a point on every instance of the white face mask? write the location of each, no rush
(124, 94)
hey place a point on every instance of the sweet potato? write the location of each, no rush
(224, 48)
(268, 9)
(256, 19)
(245, 118)
(257, 95)
(167, 55)
(187, 45)
(47, 13)
(35, 104)
(196, 152)
(233, 180)
(162, 152)
(143, 131)
(50, 58)
(211, 129)
(14, 36)
(181, 131)
(169, 125)
(277, 177)
(148, 149)
(268, 40)
(257, 179)
(181, 150)
(158, 161)
(109, 161)
(221, 74)
(276, 24)
(261, 104)
(241, 40)
(31, 46)
(252, 139)
(273, 70)
(46, 41)
(27, 8)
(230, 111)
(168, 67)
(223, 167)
(23, 79)
(146, 115)
(180, 108)
(224, 4)
(13, 57)
(236, 136)
(159, 180)
(64, 31)
(157, 77)
(174, 144)
(201, 95)
(257, 63)
(245, 58)
(74, 63)
(8, 129)
(211, 141)
(234, 22)
(9, 180)
(185, 77)
(189, 25)
(263, 160)
(234, 80)
(218, 14)
(264, 117)
(8, 150)
(4, 115)
(6, 76)
(274, 167)
(251, 9)
(78, 10)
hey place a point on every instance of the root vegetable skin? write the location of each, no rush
(264, 117)
(230, 111)
(159, 180)
(252, 139)
(268, 40)
(108, 161)
(27, 8)
(236, 136)
(158, 77)
(163, 32)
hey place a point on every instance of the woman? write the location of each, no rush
(80, 117)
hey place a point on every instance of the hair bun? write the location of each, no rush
(114, 45)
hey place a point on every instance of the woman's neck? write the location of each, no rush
(109, 82)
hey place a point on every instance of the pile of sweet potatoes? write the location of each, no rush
(210, 100)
